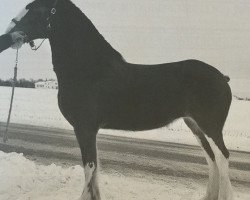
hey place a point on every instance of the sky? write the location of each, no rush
(146, 31)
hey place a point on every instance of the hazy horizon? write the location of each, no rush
(216, 32)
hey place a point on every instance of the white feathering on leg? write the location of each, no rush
(88, 170)
(225, 188)
(213, 182)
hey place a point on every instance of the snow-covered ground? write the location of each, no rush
(22, 179)
(39, 107)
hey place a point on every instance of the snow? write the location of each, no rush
(240, 87)
(22, 179)
(39, 107)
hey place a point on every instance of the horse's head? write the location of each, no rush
(34, 20)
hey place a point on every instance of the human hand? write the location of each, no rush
(18, 39)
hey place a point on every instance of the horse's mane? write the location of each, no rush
(97, 40)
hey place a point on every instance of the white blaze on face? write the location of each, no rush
(18, 37)
(17, 18)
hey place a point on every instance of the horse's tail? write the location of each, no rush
(226, 78)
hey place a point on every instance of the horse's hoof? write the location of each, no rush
(87, 196)
(226, 198)
(209, 197)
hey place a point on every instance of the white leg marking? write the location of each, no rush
(225, 188)
(91, 184)
(88, 170)
(213, 182)
(95, 186)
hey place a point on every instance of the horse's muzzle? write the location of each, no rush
(18, 38)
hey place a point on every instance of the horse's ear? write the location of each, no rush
(48, 3)
(38, 3)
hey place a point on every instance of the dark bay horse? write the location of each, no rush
(99, 89)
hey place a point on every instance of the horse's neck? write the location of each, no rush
(76, 43)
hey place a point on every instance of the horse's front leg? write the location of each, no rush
(86, 137)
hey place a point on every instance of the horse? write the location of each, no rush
(99, 89)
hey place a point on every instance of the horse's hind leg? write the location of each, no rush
(86, 138)
(213, 183)
(208, 106)
(212, 125)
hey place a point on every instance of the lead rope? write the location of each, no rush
(5, 135)
(34, 47)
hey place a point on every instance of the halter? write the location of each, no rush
(52, 13)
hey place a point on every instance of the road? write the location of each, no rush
(132, 157)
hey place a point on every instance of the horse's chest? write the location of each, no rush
(75, 103)
(66, 106)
